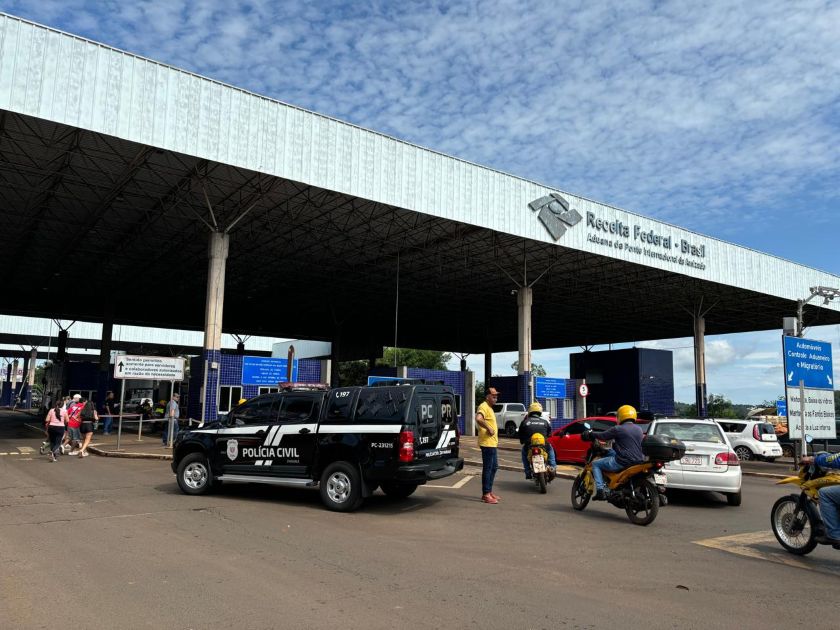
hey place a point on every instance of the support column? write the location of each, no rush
(700, 365)
(13, 390)
(334, 378)
(217, 251)
(488, 368)
(103, 381)
(33, 359)
(524, 301)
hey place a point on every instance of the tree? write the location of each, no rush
(428, 359)
(719, 406)
(536, 369)
(352, 373)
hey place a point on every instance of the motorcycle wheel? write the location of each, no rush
(642, 509)
(580, 497)
(795, 539)
(541, 483)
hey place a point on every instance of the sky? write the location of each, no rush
(717, 116)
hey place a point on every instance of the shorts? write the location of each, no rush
(74, 434)
(87, 427)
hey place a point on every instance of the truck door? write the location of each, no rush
(433, 438)
(240, 445)
(293, 442)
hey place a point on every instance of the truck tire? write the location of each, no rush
(510, 428)
(194, 476)
(341, 487)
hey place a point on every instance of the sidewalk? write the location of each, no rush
(149, 446)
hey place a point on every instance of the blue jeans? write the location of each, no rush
(489, 466)
(167, 427)
(606, 463)
(830, 510)
(106, 424)
(552, 461)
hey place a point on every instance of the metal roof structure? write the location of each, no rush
(114, 168)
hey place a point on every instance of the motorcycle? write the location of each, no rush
(638, 489)
(796, 519)
(538, 458)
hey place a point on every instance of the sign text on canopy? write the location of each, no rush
(266, 370)
(151, 368)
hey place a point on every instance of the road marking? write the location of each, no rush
(26, 449)
(458, 484)
(763, 545)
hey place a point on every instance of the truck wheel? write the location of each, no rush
(194, 476)
(341, 487)
(787, 450)
(510, 429)
(399, 490)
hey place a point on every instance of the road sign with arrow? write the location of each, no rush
(149, 368)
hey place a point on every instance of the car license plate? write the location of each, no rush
(538, 463)
(660, 480)
(691, 460)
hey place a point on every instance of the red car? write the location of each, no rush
(568, 447)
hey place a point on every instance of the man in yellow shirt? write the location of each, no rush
(488, 441)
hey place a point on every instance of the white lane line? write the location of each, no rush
(459, 484)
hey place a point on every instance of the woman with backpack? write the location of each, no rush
(88, 416)
(55, 422)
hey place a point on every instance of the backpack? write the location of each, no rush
(87, 411)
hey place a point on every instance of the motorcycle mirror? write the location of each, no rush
(809, 438)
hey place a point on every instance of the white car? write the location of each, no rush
(752, 439)
(709, 464)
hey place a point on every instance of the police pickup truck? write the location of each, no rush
(347, 442)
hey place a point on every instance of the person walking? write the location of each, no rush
(488, 441)
(74, 422)
(89, 417)
(55, 423)
(173, 411)
(108, 412)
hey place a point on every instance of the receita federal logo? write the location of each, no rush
(556, 215)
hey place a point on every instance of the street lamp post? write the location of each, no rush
(826, 293)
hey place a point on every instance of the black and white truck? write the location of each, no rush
(347, 442)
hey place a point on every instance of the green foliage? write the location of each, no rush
(536, 369)
(428, 359)
(352, 373)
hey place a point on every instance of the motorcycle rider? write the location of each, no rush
(626, 451)
(535, 423)
(829, 499)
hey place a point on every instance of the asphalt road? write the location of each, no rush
(101, 543)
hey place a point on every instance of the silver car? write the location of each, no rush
(709, 464)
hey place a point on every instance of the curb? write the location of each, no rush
(103, 453)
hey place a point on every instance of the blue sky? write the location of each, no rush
(717, 116)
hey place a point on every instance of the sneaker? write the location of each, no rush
(488, 498)
(600, 495)
(83, 453)
(52, 457)
(529, 476)
(827, 540)
(73, 453)
(495, 496)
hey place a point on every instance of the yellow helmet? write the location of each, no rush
(535, 406)
(242, 400)
(537, 439)
(625, 413)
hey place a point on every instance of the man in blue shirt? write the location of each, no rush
(829, 499)
(626, 451)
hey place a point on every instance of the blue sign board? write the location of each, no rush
(781, 407)
(266, 370)
(545, 387)
(809, 361)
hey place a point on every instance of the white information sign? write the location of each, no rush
(819, 413)
(149, 368)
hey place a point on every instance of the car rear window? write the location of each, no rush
(386, 404)
(690, 431)
(498, 408)
(765, 428)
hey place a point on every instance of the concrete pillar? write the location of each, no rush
(104, 379)
(13, 389)
(61, 354)
(469, 403)
(335, 380)
(326, 370)
(700, 365)
(524, 301)
(217, 252)
(488, 368)
(33, 359)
